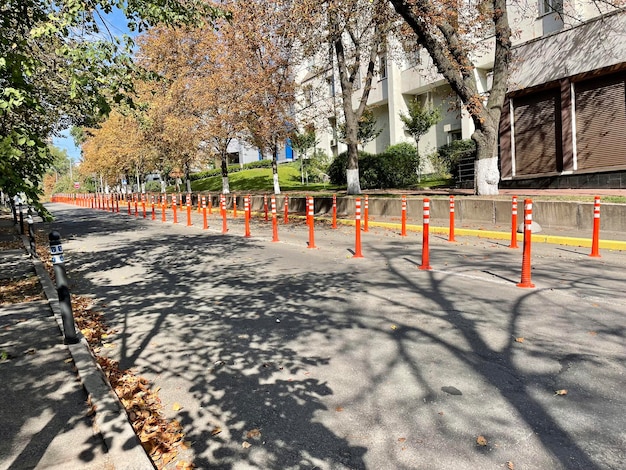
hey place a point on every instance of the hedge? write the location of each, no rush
(394, 168)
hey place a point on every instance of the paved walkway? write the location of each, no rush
(45, 413)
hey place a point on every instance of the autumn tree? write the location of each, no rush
(356, 31)
(60, 66)
(217, 90)
(450, 34)
(115, 150)
(263, 39)
(367, 129)
(172, 118)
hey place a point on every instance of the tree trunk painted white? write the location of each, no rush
(354, 186)
(225, 186)
(486, 176)
(276, 184)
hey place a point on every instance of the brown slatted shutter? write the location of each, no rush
(537, 133)
(601, 123)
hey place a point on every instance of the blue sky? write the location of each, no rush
(117, 24)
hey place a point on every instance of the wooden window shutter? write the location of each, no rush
(601, 123)
(537, 133)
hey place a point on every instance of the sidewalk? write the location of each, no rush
(45, 411)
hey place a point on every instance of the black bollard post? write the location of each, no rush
(65, 303)
(31, 236)
(21, 219)
(14, 211)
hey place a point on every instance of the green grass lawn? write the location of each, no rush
(260, 179)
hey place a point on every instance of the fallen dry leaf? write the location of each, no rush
(68, 360)
(339, 409)
(184, 465)
(185, 445)
(177, 407)
(394, 327)
(402, 439)
(246, 445)
(253, 434)
(510, 465)
(216, 431)
(560, 392)
(481, 441)
(519, 340)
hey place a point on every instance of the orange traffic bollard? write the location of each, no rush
(451, 232)
(265, 206)
(403, 217)
(286, 209)
(175, 217)
(163, 206)
(210, 204)
(223, 211)
(366, 215)
(334, 211)
(274, 221)
(188, 204)
(357, 242)
(136, 202)
(513, 223)
(311, 212)
(246, 210)
(528, 220)
(425, 240)
(595, 241)
(143, 205)
(205, 222)
(153, 213)
(234, 206)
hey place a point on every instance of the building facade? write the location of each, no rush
(565, 113)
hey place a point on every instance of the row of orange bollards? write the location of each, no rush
(111, 203)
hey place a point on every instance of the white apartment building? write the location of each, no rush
(554, 40)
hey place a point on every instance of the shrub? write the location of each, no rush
(450, 155)
(394, 168)
(337, 168)
(153, 186)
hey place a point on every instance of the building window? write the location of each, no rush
(330, 83)
(382, 66)
(454, 135)
(550, 6)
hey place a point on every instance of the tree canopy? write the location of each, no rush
(61, 66)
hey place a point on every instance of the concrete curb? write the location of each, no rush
(111, 420)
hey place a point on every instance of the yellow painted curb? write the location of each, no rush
(616, 245)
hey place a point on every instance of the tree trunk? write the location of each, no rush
(352, 172)
(187, 180)
(275, 169)
(419, 161)
(351, 118)
(486, 174)
(225, 185)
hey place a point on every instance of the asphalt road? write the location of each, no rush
(319, 360)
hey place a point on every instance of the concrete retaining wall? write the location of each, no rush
(549, 214)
